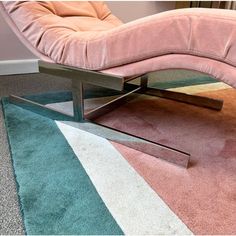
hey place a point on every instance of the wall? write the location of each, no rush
(12, 49)
(131, 10)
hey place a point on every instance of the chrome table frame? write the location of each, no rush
(81, 76)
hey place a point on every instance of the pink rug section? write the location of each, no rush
(204, 195)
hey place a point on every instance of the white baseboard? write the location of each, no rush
(13, 67)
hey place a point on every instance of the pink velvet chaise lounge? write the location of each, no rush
(86, 40)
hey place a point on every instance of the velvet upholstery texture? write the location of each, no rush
(86, 35)
(221, 71)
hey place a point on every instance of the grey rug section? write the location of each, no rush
(10, 216)
(10, 219)
(31, 84)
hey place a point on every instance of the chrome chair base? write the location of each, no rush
(131, 91)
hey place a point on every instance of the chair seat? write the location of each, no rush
(217, 69)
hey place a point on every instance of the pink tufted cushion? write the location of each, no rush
(56, 28)
(87, 35)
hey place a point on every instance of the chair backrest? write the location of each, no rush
(20, 36)
(21, 16)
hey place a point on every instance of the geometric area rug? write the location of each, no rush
(73, 182)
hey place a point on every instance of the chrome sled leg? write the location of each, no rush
(154, 149)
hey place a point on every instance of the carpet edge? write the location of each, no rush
(5, 102)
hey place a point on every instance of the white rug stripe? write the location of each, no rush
(132, 202)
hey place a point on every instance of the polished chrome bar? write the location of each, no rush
(154, 149)
(144, 82)
(107, 107)
(39, 108)
(215, 104)
(82, 75)
(78, 100)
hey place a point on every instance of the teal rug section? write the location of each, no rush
(183, 82)
(55, 193)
